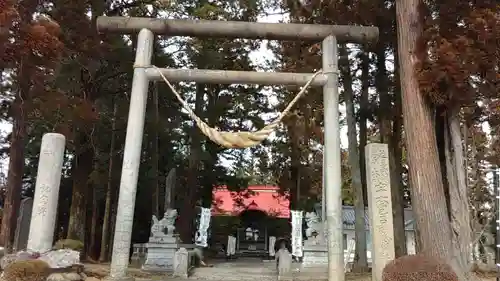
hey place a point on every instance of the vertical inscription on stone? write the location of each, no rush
(48, 179)
(379, 206)
(297, 233)
(43, 200)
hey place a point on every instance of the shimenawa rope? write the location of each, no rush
(237, 139)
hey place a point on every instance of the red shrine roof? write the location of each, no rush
(265, 198)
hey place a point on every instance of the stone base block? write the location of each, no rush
(162, 240)
(317, 273)
(126, 278)
(160, 257)
(315, 255)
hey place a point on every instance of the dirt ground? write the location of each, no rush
(102, 270)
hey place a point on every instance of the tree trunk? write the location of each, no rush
(363, 117)
(94, 215)
(188, 211)
(395, 156)
(211, 149)
(473, 164)
(395, 163)
(156, 185)
(294, 170)
(385, 103)
(82, 167)
(457, 185)
(428, 196)
(114, 211)
(360, 258)
(424, 166)
(15, 174)
(103, 255)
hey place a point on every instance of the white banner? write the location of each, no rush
(297, 233)
(202, 233)
(272, 242)
(231, 246)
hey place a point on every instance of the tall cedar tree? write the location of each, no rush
(30, 49)
(442, 59)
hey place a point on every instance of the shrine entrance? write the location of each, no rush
(246, 224)
(252, 237)
(144, 72)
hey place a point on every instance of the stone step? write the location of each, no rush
(256, 271)
(235, 271)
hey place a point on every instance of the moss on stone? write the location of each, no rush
(418, 268)
(74, 245)
(27, 270)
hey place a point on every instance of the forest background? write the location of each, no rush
(60, 75)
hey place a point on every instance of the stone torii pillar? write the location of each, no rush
(144, 72)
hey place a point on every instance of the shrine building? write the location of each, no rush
(262, 211)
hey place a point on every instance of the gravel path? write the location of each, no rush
(240, 271)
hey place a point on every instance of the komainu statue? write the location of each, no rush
(315, 229)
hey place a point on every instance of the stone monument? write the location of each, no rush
(163, 242)
(23, 225)
(170, 182)
(297, 233)
(39, 216)
(181, 263)
(379, 207)
(43, 217)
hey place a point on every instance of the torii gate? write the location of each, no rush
(144, 72)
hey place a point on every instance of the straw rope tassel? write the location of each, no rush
(237, 139)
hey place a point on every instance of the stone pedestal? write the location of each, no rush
(314, 263)
(125, 278)
(161, 253)
(315, 255)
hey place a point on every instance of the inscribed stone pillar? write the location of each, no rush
(379, 207)
(48, 180)
(169, 189)
(297, 218)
